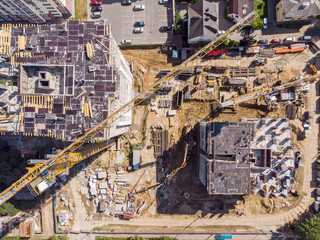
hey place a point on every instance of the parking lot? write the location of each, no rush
(123, 17)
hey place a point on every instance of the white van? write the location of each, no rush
(126, 41)
(265, 23)
(290, 39)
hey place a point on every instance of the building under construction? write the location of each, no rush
(246, 157)
(62, 80)
(224, 148)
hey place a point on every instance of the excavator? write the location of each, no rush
(42, 174)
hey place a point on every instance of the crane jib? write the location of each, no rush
(37, 171)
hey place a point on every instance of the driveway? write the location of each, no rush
(122, 19)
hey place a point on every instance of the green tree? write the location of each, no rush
(233, 43)
(7, 209)
(224, 45)
(257, 24)
(310, 228)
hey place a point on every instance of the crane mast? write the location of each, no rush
(63, 157)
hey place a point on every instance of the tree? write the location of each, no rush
(7, 209)
(257, 24)
(233, 43)
(247, 41)
(224, 45)
(310, 228)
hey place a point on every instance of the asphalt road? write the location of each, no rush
(122, 20)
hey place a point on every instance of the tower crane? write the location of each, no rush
(265, 91)
(65, 158)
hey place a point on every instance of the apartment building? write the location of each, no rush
(32, 11)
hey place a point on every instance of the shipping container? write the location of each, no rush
(282, 50)
(297, 45)
(297, 50)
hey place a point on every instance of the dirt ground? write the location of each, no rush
(168, 205)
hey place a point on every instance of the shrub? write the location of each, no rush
(7, 209)
(309, 229)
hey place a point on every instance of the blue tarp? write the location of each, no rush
(175, 54)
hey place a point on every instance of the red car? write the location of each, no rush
(95, 2)
(277, 40)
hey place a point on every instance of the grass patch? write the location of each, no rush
(261, 7)
(81, 9)
(177, 21)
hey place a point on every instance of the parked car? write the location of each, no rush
(305, 38)
(138, 30)
(259, 62)
(126, 2)
(165, 28)
(163, 1)
(126, 42)
(289, 39)
(277, 40)
(95, 2)
(138, 7)
(263, 41)
(95, 14)
(96, 9)
(265, 23)
(139, 24)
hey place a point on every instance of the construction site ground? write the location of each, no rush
(200, 211)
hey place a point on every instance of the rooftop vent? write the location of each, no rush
(207, 9)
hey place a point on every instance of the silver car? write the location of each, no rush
(138, 7)
(138, 30)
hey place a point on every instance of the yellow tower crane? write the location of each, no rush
(62, 158)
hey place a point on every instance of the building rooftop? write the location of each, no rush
(203, 19)
(226, 153)
(233, 153)
(295, 9)
(240, 7)
(70, 78)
